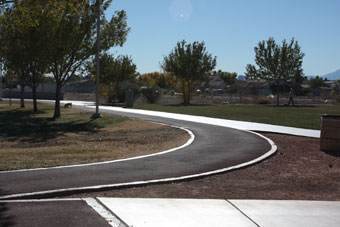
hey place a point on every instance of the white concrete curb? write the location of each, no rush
(136, 183)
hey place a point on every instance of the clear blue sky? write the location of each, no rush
(231, 29)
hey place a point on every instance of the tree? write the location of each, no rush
(228, 78)
(11, 50)
(277, 63)
(23, 39)
(72, 40)
(11, 80)
(113, 72)
(188, 63)
(32, 26)
(316, 82)
(162, 80)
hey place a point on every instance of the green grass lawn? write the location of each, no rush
(301, 117)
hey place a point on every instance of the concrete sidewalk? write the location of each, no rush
(128, 212)
(235, 213)
(243, 125)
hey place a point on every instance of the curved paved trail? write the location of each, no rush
(215, 148)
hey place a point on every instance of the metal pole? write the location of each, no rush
(0, 81)
(97, 115)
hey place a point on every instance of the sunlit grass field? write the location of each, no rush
(301, 117)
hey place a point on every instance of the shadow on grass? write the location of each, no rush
(297, 106)
(185, 105)
(6, 219)
(20, 125)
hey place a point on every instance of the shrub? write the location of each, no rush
(124, 87)
(151, 93)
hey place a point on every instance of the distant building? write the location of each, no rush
(256, 87)
(214, 82)
(80, 86)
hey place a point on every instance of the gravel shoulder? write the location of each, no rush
(298, 171)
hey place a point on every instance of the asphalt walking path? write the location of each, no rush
(50, 213)
(214, 149)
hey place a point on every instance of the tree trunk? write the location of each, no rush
(57, 101)
(278, 95)
(184, 92)
(189, 93)
(34, 95)
(115, 91)
(278, 99)
(22, 96)
(109, 93)
(10, 96)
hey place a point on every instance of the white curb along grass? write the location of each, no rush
(137, 183)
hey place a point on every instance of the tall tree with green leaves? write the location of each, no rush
(11, 49)
(72, 39)
(277, 63)
(113, 71)
(189, 63)
(23, 43)
(162, 80)
(228, 77)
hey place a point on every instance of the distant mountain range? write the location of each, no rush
(330, 76)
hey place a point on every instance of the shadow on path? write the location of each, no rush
(5, 218)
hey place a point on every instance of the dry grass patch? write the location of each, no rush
(35, 140)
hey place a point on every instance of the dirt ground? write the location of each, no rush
(298, 171)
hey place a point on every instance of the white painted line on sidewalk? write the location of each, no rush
(105, 213)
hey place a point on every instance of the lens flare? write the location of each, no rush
(180, 10)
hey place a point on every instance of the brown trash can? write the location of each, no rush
(330, 133)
